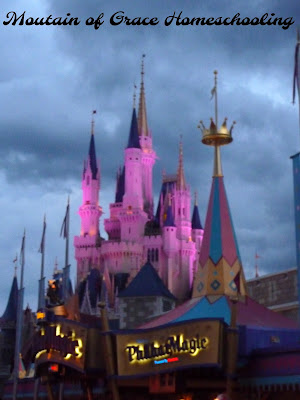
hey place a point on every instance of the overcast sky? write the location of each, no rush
(52, 77)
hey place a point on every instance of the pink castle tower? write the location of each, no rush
(148, 154)
(87, 251)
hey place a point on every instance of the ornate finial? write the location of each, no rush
(15, 261)
(215, 136)
(215, 93)
(93, 122)
(196, 198)
(142, 68)
(134, 95)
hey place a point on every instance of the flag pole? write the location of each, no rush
(19, 321)
(41, 301)
(65, 231)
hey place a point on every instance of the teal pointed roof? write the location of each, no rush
(10, 313)
(133, 140)
(219, 239)
(146, 283)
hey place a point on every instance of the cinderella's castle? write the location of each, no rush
(167, 236)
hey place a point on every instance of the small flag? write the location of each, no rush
(16, 259)
(22, 252)
(94, 111)
(296, 82)
(213, 92)
(42, 245)
(256, 256)
(65, 225)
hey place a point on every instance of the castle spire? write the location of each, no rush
(92, 151)
(133, 139)
(196, 223)
(180, 173)
(220, 268)
(142, 114)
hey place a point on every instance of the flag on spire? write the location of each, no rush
(65, 225)
(22, 252)
(42, 245)
(296, 83)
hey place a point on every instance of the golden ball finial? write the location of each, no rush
(215, 72)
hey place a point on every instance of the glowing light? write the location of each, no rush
(40, 315)
(174, 344)
(40, 353)
(53, 368)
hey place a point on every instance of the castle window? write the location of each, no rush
(183, 211)
(148, 255)
(87, 180)
(152, 255)
(178, 211)
(129, 230)
(156, 255)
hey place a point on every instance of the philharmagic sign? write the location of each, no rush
(173, 345)
(192, 343)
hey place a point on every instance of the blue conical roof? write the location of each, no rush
(146, 283)
(92, 157)
(133, 140)
(10, 313)
(196, 223)
(169, 219)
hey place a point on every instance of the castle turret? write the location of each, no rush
(132, 217)
(86, 245)
(182, 201)
(170, 245)
(90, 211)
(148, 154)
(133, 197)
(220, 269)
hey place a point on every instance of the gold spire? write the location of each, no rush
(180, 172)
(214, 136)
(142, 115)
(93, 122)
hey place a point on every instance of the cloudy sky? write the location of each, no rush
(52, 77)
